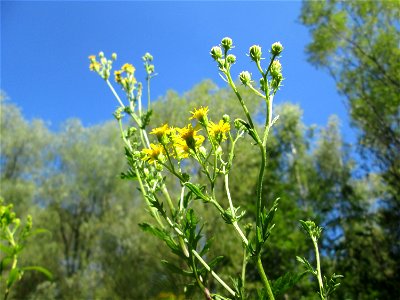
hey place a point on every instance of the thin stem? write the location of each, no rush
(208, 268)
(165, 192)
(264, 278)
(260, 183)
(148, 93)
(182, 198)
(234, 223)
(114, 92)
(244, 264)
(319, 276)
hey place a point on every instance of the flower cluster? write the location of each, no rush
(103, 66)
(180, 143)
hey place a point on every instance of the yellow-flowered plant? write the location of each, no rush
(201, 140)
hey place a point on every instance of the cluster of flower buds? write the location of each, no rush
(147, 59)
(276, 74)
(221, 56)
(103, 66)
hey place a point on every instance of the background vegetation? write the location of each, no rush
(69, 180)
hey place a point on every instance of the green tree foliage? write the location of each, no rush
(358, 43)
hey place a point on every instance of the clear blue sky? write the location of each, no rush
(45, 45)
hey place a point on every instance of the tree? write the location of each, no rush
(357, 42)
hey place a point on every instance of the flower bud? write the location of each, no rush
(114, 56)
(255, 53)
(276, 81)
(245, 77)
(226, 118)
(101, 54)
(239, 124)
(147, 57)
(226, 43)
(276, 68)
(216, 52)
(231, 59)
(276, 48)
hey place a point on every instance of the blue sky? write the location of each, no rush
(45, 45)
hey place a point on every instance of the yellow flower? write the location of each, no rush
(153, 154)
(128, 68)
(190, 136)
(161, 131)
(199, 113)
(218, 131)
(92, 58)
(181, 148)
(118, 77)
(95, 66)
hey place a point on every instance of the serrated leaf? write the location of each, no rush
(42, 270)
(153, 230)
(285, 282)
(197, 191)
(304, 261)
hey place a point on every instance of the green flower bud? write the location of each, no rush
(276, 81)
(226, 118)
(276, 68)
(218, 151)
(239, 124)
(226, 43)
(118, 113)
(255, 53)
(216, 52)
(114, 56)
(101, 54)
(245, 77)
(147, 57)
(276, 48)
(231, 59)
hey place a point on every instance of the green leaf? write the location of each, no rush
(153, 230)
(309, 267)
(174, 269)
(146, 119)
(6, 250)
(15, 274)
(197, 190)
(42, 270)
(285, 282)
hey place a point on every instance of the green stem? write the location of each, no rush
(319, 275)
(165, 192)
(260, 183)
(264, 278)
(208, 268)
(114, 92)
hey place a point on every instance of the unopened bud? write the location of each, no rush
(231, 59)
(203, 151)
(101, 54)
(226, 43)
(218, 151)
(147, 57)
(114, 56)
(216, 52)
(245, 77)
(226, 118)
(276, 68)
(276, 48)
(255, 53)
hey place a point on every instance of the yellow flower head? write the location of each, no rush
(153, 154)
(92, 58)
(161, 131)
(128, 68)
(181, 148)
(199, 113)
(218, 131)
(190, 136)
(95, 66)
